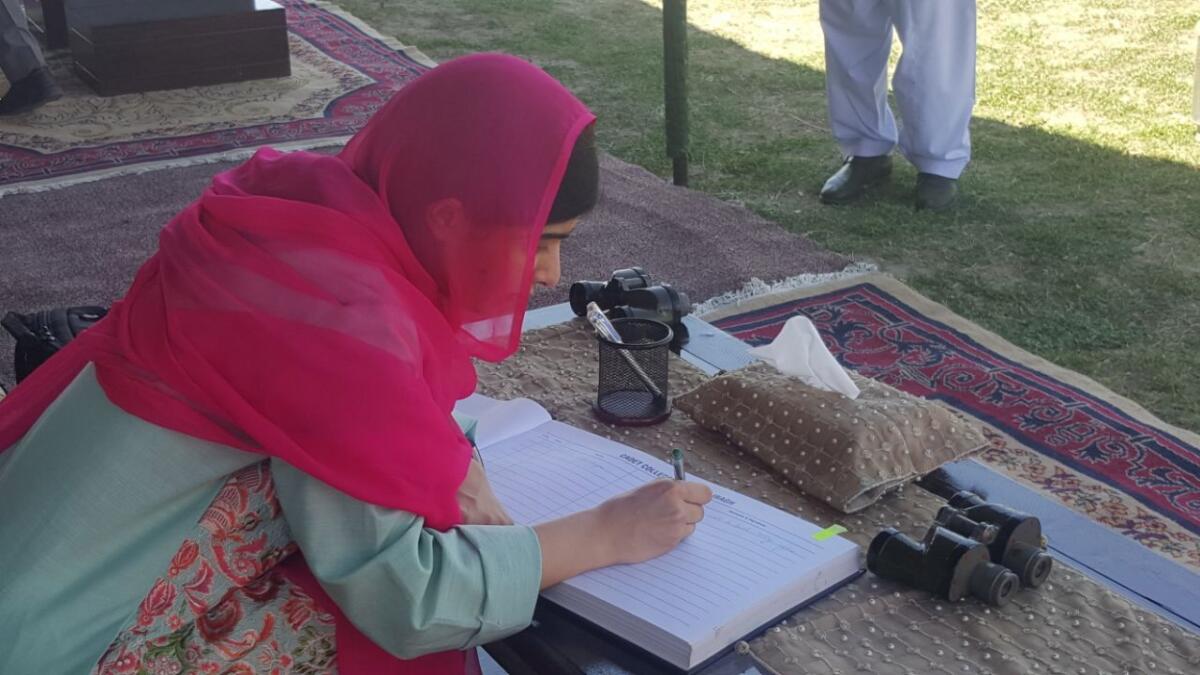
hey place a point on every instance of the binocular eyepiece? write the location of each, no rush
(973, 547)
(1018, 543)
(946, 564)
(632, 294)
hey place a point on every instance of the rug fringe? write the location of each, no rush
(757, 287)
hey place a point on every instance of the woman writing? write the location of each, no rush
(250, 464)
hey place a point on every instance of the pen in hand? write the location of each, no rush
(677, 462)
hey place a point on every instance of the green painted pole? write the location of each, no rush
(675, 58)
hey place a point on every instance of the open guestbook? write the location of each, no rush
(747, 565)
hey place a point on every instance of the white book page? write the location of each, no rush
(742, 554)
(497, 421)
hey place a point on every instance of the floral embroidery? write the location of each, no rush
(184, 558)
(156, 603)
(199, 587)
(243, 564)
(217, 622)
(314, 653)
(223, 607)
(264, 588)
(297, 612)
(164, 664)
(125, 663)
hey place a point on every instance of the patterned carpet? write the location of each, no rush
(342, 71)
(1052, 429)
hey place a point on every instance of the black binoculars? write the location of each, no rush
(1017, 541)
(632, 294)
(945, 563)
(973, 547)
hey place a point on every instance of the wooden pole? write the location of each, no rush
(1196, 86)
(675, 58)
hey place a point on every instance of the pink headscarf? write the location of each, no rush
(324, 310)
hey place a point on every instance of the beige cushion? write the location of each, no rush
(844, 452)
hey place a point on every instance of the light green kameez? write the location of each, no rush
(94, 502)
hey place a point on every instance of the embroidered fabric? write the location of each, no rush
(223, 604)
(845, 452)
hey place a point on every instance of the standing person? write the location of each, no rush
(934, 85)
(250, 464)
(30, 84)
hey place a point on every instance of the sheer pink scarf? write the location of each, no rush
(324, 310)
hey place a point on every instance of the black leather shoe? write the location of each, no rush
(30, 92)
(856, 176)
(936, 193)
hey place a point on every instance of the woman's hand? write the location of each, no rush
(477, 501)
(638, 525)
(652, 519)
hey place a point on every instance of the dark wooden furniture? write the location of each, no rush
(49, 19)
(127, 46)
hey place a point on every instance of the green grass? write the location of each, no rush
(1079, 235)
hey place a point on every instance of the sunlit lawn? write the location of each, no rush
(1079, 238)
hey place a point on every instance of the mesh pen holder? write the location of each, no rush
(632, 389)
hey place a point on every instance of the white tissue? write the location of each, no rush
(798, 351)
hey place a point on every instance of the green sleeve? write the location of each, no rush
(411, 589)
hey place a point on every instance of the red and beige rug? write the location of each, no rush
(342, 71)
(1054, 430)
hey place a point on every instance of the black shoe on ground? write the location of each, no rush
(30, 92)
(936, 193)
(857, 175)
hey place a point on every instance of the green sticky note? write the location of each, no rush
(831, 531)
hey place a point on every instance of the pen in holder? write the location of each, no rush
(634, 357)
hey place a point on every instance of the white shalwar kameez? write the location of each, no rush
(934, 81)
